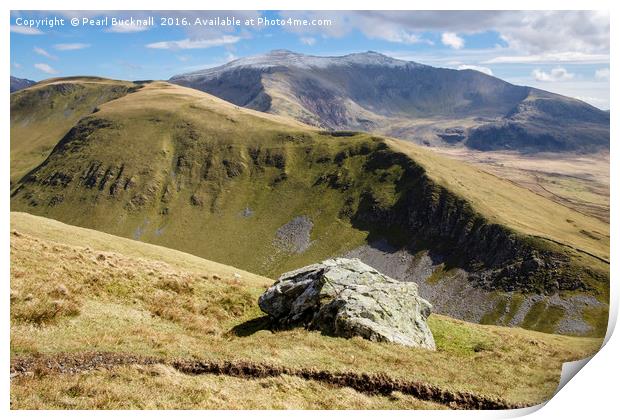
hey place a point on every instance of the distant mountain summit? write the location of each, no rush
(289, 59)
(19, 84)
(433, 106)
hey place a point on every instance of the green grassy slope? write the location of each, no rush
(166, 166)
(176, 167)
(75, 290)
(42, 114)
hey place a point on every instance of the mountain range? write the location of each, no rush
(149, 221)
(428, 105)
(177, 167)
(18, 84)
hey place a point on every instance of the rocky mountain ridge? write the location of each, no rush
(19, 84)
(432, 106)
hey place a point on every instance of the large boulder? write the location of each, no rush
(345, 298)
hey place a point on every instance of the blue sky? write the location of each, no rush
(564, 52)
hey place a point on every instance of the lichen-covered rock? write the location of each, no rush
(346, 298)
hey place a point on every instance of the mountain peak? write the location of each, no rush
(282, 51)
(19, 84)
(291, 59)
(376, 58)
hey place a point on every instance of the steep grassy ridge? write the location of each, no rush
(173, 166)
(505, 203)
(75, 290)
(42, 114)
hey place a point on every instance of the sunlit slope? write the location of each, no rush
(173, 166)
(506, 203)
(42, 114)
(52, 230)
(177, 167)
(75, 290)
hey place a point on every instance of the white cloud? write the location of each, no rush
(558, 74)
(602, 74)
(528, 32)
(307, 40)
(558, 57)
(553, 31)
(188, 44)
(452, 40)
(481, 69)
(44, 53)
(71, 47)
(17, 65)
(373, 24)
(45, 68)
(405, 37)
(25, 30)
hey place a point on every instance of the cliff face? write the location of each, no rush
(425, 215)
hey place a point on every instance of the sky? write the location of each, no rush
(565, 52)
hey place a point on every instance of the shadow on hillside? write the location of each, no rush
(252, 326)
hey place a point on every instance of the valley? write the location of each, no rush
(580, 182)
(180, 168)
(147, 219)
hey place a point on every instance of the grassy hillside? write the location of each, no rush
(75, 290)
(42, 114)
(176, 167)
(173, 166)
(508, 204)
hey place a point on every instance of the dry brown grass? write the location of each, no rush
(162, 387)
(580, 182)
(52, 230)
(147, 307)
(44, 291)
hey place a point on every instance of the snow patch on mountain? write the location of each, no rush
(286, 58)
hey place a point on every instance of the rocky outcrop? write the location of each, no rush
(346, 298)
(495, 256)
